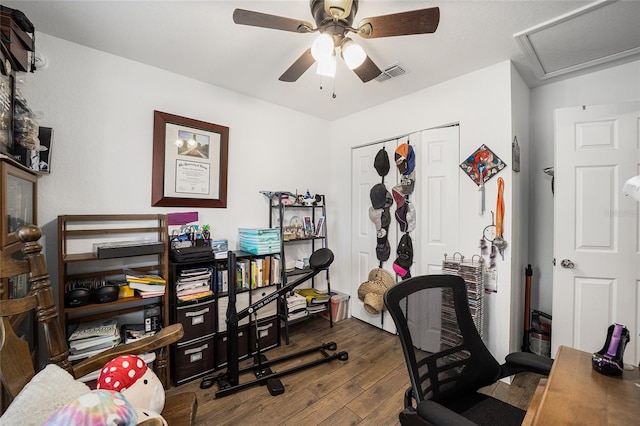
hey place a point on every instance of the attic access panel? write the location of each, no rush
(598, 33)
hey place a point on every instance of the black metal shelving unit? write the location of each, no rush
(277, 213)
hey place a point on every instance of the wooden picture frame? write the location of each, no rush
(190, 161)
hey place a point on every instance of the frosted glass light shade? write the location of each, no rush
(353, 54)
(327, 67)
(322, 47)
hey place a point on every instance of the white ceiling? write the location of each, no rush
(198, 39)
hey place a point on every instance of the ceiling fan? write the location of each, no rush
(334, 20)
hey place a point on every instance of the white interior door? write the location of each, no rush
(363, 236)
(596, 226)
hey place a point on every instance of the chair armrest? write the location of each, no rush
(164, 337)
(517, 362)
(437, 414)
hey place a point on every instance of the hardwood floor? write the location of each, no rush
(367, 389)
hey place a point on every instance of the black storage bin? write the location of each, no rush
(267, 333)
(221, 340)
(192, 360)
(198, 320)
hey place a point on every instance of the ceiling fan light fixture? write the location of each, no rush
(353, 54)
(338, 9)
(322, 47)
(327, 67)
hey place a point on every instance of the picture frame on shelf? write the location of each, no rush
(45, 134)
(190, 162)
(308, 227)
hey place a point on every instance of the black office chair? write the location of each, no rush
(444, 382)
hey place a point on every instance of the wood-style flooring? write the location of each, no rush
(367, 389)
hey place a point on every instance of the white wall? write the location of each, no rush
(520, 225)
(613, 85)
(481, 103)
(101, 108)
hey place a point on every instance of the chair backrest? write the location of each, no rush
(25, 257)
(444, 363)
(16, 360)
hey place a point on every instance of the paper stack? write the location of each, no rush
(132, 332)
(296, 306)
(194, 284)
(92, 338)
(147, 285)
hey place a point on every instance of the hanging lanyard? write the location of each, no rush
(500, 207)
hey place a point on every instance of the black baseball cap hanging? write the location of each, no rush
(381, 162)
(378, 196)
(404, 260)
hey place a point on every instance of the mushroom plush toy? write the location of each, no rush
(129, 375)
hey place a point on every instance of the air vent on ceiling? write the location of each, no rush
(392, 71)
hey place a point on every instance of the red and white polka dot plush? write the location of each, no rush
(130, 375)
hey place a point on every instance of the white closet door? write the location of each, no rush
(436, 201)
(435, 198)
(363, 236)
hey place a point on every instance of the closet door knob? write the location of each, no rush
(567, 264)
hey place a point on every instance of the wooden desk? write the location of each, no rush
(577, 394)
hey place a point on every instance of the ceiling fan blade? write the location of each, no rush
(298, 67)
(264, 20)
(421, 21)
(367, 71)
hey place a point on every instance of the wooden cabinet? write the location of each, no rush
(79, 262)
(19, 195)
(18, 207)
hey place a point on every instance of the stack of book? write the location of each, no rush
(147, 285)
(313, 296)
(222, 280)
(258, 272)
(296, 306)
(194, 284)
(92, 338)
(316, 300)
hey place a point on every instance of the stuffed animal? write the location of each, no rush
(129, 375)
(96, 408)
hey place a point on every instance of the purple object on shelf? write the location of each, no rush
(615, 340)
(609, 360)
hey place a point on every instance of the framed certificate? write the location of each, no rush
(189, 162)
